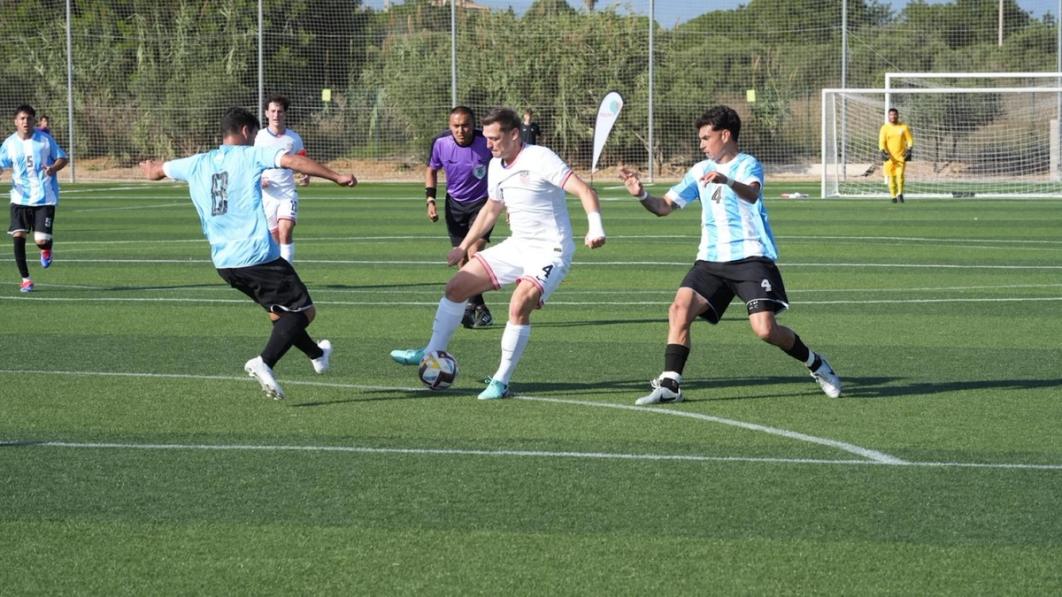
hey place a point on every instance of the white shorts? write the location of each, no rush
(280, 209)
(544, 265)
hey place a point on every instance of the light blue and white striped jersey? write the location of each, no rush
(27, 159)
(226, 188)
(731, 228)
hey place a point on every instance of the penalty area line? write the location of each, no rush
(869, 457)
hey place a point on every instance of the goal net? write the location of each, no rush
(968, 142)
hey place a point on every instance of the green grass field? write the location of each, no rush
(138, 459)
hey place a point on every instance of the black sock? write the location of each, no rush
(801, 352)
(20, 255)
(285, 330)
(675, 356)
(305, 343)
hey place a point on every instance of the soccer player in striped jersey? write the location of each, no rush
(225, 187)
(531, 183)
(33, 157)
(279, 196)
(736, 256)
(895, 143)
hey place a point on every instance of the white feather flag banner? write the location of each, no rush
(607, 114)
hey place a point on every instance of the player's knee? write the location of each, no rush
(41, 238)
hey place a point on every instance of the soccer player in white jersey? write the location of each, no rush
(225, 187)
(736, 256)
(279, 196)
(530, 182)
(33, 157)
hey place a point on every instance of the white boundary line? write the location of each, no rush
(871, 457)
(522, 453)
(583, 264)
(556, 303)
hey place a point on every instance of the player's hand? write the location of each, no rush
(433, 212)
(347, 180)
(152, 170)
(594, 241)
(714, 177)
(265, 182)
(50, 170)
(885, 156)
(456, 256)
(907, 155)
(303, 180)
(631, 181)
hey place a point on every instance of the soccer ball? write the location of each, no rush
(438, 370)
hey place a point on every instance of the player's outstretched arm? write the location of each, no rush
(660, 206)
(152, 169)
(595, 234)
(300, 163)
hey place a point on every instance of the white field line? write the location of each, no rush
(846, 447)
(35, 297)
(869, 457)
(95, 209)
(669, 292)
(583, 264)
(431, 237)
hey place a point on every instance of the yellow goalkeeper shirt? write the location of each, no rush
(896, 139)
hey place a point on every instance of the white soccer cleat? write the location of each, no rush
(262, 373)
(828, 380)
(320, 364)
(660, 394)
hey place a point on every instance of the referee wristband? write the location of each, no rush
(429, 192)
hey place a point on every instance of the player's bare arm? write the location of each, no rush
(660, 206)
(595, 236)
(484, 222)
(307, 166)
(152, 169)
(748, 192)
(56, 166)
(431, 180)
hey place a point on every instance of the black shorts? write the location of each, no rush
(756, 280)
(38, 218)
(459, 218)
(274, 285)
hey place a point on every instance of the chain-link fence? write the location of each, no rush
(371, 85)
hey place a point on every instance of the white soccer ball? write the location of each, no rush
(438, 370)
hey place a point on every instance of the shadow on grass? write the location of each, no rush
(892, 387)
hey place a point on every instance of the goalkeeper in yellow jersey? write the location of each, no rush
(895, 142)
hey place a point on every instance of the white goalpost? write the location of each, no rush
(968, 141)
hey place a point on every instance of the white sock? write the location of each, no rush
(513, 341)
(447, 319)
(288, 252)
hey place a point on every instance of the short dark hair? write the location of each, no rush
(464, 110)
(721, 118)
(506, 117)
(28, 109)
(276, 98)
(237, 118)
(891, 110)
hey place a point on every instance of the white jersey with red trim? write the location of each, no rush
(532, 190)
(281, 180)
